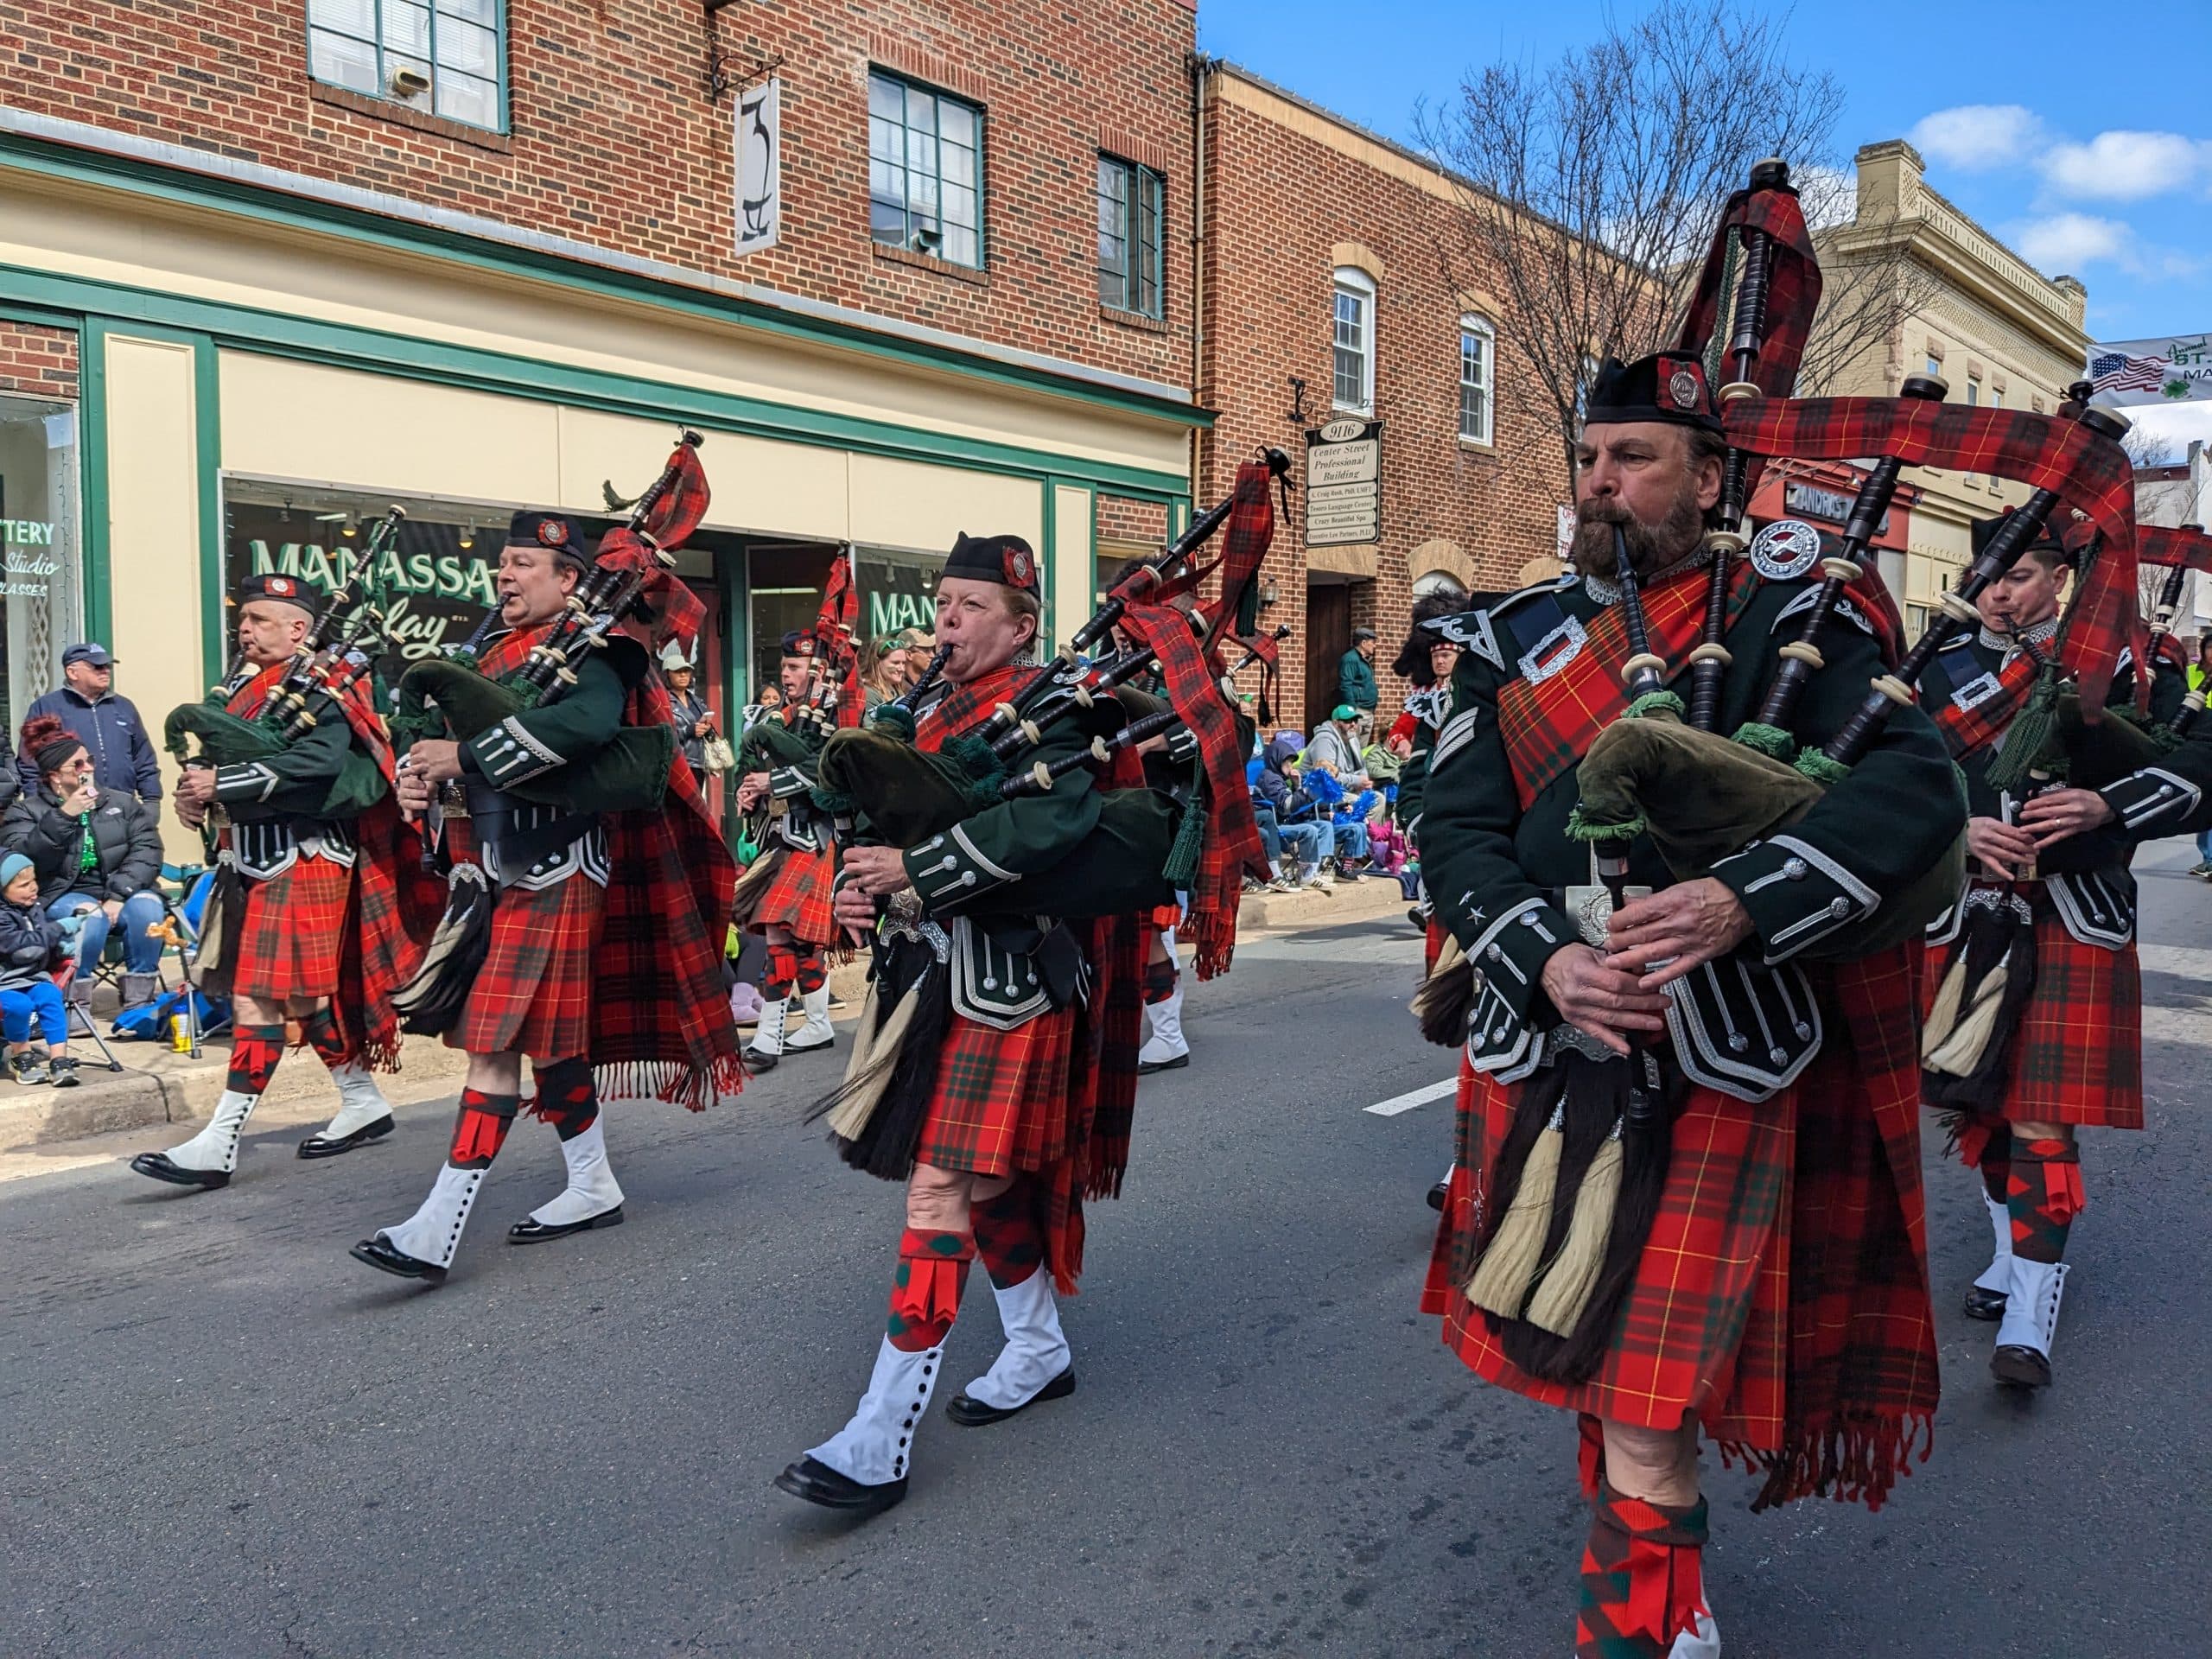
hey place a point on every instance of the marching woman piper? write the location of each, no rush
(2020, 1060)
(792, 911)
(317, 939)
(603, 962)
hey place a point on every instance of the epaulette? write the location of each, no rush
(1474, 629)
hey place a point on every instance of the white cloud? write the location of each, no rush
(2120, 166)
(2066, 242)
(1976, 137)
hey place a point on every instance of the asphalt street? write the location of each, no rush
(219, 1435)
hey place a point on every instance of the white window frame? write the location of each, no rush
(1479, 328)
(1351, 283)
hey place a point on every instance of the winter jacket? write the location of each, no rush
(1355, 681)
(123, 755)
(126, 844)
(30, 944)
(1273, 786)
(1331, 747)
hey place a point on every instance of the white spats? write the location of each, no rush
(1998, 1275)
(1703, 1642)
(767, 1042)
(2031, 1305)
(1167, 1042)
(216, 1146)
(816, 1032)
(360, 1102)
(872, 1447)
(591, 1190)
(432, 1234)
(1036, 1350)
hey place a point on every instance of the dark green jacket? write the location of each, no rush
(1497, 873)
(1355, 681)
(528, 745)
(296, 781)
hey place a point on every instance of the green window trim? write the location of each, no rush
(458, 48)
(1132, 234)
(925, 169)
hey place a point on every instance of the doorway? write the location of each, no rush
(1328, 636)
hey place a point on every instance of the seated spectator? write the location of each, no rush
(97, 852)
(1335, 749)
(1296, 820)
(31, 947)
(1344, 812)
(123, 755)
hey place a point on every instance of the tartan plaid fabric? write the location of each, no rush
(964, 705)
(1548, 725)
(659, 1018)
(1783, 1294)
(2088, 472)
(1161, 918)
(533, 994)
(2190, 549)
(2042, 1194)
(1966, 730)
(678, 510)
(292, 935)
(2077, 1056)
(1642, 1582)
(798, 895)
(1000, 1101)
(1115, 1022)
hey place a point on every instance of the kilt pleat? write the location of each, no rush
(799, 896)
(533, 994)
(291, 938)
(1000, 1103)
(2077, 1056)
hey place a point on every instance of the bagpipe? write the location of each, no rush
(337, 655)
(630, 577)
(1579, 1175)
(833, 698)
(2178, 551)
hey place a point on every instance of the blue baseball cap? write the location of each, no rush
(88, 651)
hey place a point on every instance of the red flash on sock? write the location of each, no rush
(255, 1051)
(926, 1290)
(481, 1128)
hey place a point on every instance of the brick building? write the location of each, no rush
(1322, 297)
(263, 271)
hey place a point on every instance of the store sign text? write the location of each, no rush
(29, 574)
(398, 578)
(26, 532)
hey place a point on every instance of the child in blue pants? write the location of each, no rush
(31, 944)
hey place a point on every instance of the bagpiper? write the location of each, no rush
(2035, 1019)
(601, 958)
(786, 893)
(1687, 1171)
(311, 890)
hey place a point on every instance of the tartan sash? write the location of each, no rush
(1966, 730)
(1549, 723)
(962, 707)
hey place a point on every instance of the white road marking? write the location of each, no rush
(1397, 1103)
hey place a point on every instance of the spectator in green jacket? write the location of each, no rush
(1355, 681)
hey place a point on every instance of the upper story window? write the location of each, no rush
(1478, 378)
(1353, 383)
(1935, 366)
(1132, 213)
(924, 170)
(444, 60)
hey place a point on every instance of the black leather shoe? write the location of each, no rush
(1437, 1194)
(817, 1483)
(377, 1254)
(317, 1146)
(1145, 1068)
(2022, 1368)
(157, 1165)
(527, 1231)
(972, 1413)
(757, 1060)
(1982, 1304)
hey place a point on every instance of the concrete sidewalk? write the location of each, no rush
(157, 1086)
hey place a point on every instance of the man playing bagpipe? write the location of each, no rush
(1685, 1195)
(1007, 1097)
(785, 896)
(602, 897)
(2035, 1023)
(312, 934)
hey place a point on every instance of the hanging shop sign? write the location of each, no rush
(1344, 484)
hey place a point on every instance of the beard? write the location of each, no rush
(1651, 547)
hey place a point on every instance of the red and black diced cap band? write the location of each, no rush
(800, 642)
(1007, 560)
(271, 585)
(555, 532)
(1668, 386)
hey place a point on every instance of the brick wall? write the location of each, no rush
(38, 361)
(1141, 523)
(612, 139)
(1281, 199)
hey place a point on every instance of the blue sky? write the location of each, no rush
(2079, 134)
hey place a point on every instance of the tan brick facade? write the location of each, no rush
(38, 361)
(1292, 194)
(611, 140)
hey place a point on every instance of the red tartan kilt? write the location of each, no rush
(533, 994)
(1001, 1099)
(291, 938)
(798, 897)
(1704, 1326)
(1432, 945)
(2077, 1056)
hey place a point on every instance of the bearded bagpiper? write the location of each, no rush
(785, 894)
(309, 892)
(2035, 1018)
(589, 877)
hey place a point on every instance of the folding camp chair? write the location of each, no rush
(78, 1016)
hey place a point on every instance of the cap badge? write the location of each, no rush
(552, 532)
(1017, 567)
(1785, 549)
(1681, 386)
(283, 587)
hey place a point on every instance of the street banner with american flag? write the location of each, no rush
(2175, 369)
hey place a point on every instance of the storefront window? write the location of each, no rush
(42, 599)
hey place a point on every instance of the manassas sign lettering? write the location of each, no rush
(1344, 484)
